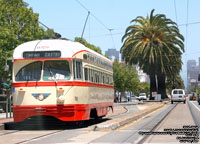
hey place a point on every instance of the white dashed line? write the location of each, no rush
(195, 106)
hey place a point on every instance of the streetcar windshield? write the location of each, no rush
(56, 70)
(30, 72)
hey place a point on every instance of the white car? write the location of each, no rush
(178, 95)
(142, 96)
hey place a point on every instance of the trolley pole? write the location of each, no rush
(84, 26)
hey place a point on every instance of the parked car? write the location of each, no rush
(178, 95)
(193, 97)
(142, 96)
(116, 100)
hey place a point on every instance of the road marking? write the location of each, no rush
(87, 137)
(195, 106)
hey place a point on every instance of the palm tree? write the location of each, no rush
(175, 82)
(154, 43)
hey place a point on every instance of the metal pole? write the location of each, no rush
(6, 103)
(84, 26)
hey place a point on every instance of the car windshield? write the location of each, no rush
(30, 72)
(56, 70)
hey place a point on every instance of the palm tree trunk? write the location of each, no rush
(152, 85)
(162, 86)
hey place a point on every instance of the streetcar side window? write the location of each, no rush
(56, 70)
(77, 68)
(111, 83)
(95, 76)
(86, 74)
(92, 77)
(103, 78)
(30, 72)
(89, 74)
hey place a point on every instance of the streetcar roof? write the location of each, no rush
(68, 48)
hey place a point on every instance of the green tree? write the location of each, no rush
(88, 45)
(198, 90)
(155, 44)
(125, 77)
(144, 87)
(118, 76)
(174, 82)
(106, 56)
(132, 80)
(18, 24)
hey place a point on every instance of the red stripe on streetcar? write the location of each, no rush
(79, 52)
(69, 83)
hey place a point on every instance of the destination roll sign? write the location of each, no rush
(42, 54)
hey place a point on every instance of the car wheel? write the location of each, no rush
(171, 102)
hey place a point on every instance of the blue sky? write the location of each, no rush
(67, 17)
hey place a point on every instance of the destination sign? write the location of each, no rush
(42, 54)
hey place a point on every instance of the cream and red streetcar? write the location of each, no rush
(62, 79)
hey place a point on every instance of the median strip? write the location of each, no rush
(119, 122)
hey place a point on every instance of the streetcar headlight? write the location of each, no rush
(41, 97)
(61, 99)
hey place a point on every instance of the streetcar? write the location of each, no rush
(62, 79)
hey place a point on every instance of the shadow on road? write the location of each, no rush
(50, 123)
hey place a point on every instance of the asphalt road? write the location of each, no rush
(182, 116)
(171, 116)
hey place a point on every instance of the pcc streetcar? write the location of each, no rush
(62, 79)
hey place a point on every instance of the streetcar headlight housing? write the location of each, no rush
(60, 89)
(21, 89)
(41, 97)
(60, 99)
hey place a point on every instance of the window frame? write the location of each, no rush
(41, 69)
(42, 76)
(75, 63)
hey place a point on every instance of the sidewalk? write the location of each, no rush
(178, 118)
(3, 119)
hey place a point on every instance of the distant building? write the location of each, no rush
(113, 54)
(192, 73)
(143, 77)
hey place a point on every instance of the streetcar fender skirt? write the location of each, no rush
(61, 112)
(101, 108)
(67, 112)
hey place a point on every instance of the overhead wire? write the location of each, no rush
(98, 20)
(92, 15)
(189, 24)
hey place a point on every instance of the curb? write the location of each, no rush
(119, 122)
(2, 127)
